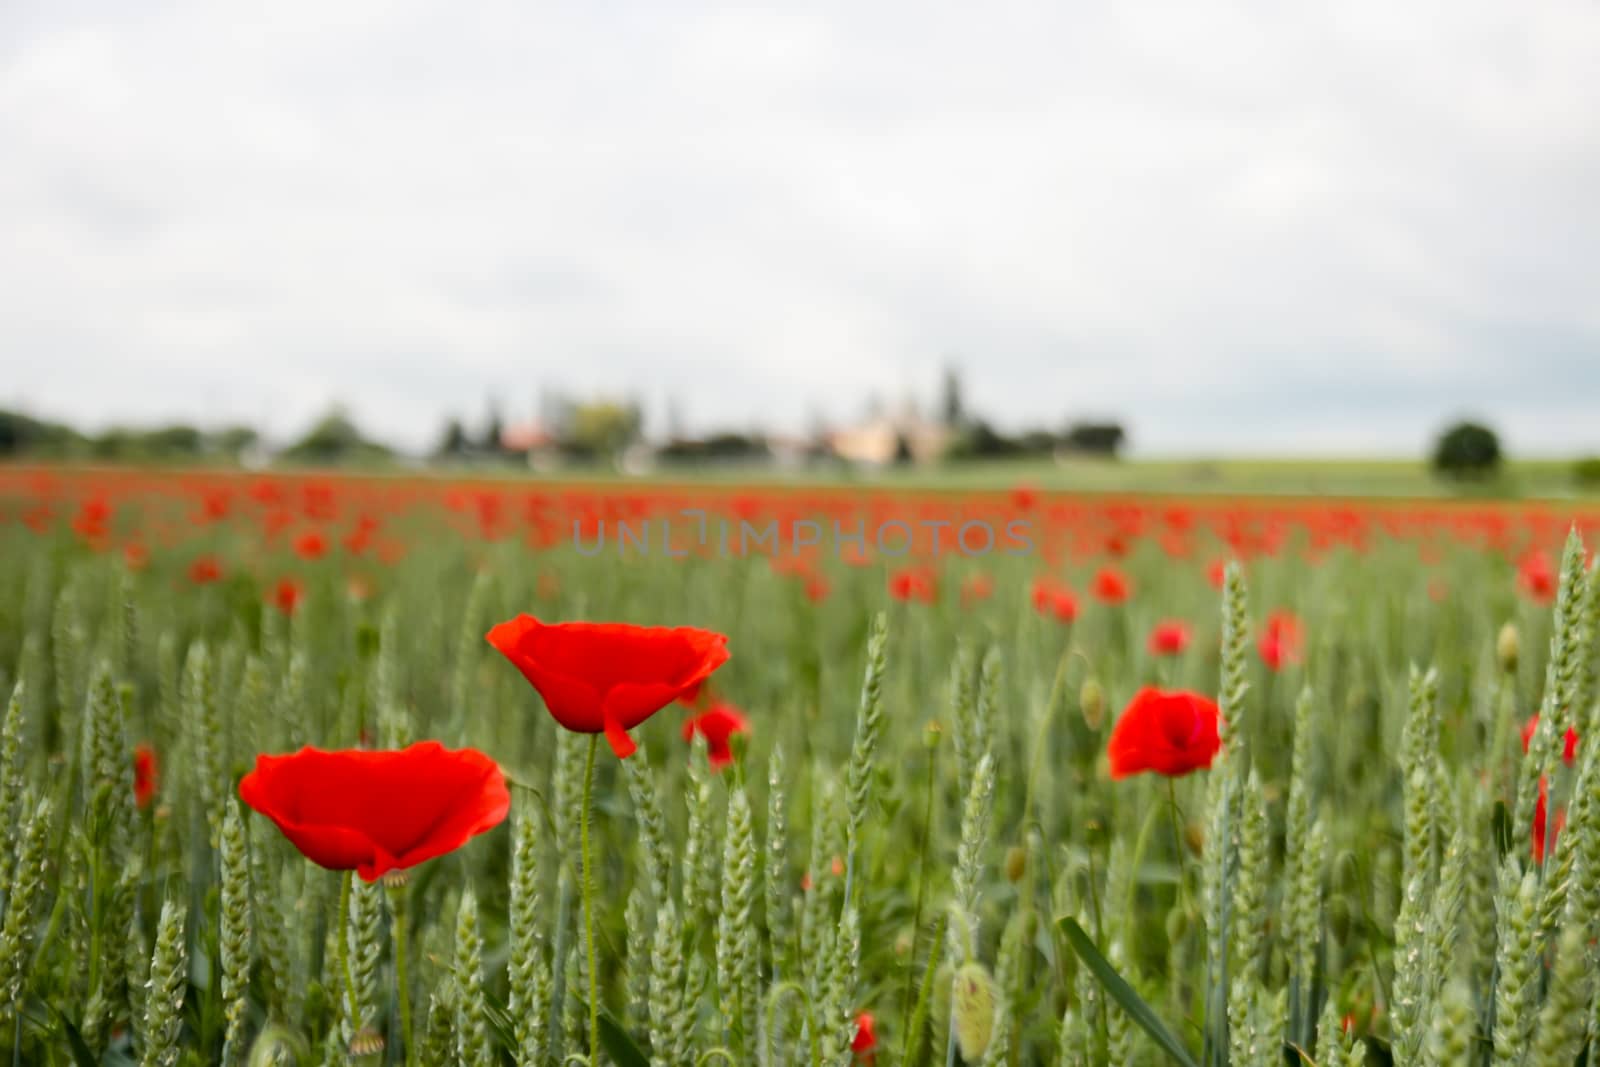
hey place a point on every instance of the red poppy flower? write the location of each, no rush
(1052, 600)
(866, 1039)
(145, 772)
(1280, 640)
(717, 724)
(1112, 586)
(1169, 637)
(976, 588)
(608, 677)
(1169, 732)
(1217, 573)
(1537, 576)
(310, 545)
(205, 570)
(913, 583)
(286, 597)
(1569, 750)
(372, 812)
(135, 556)
(1540, 811)
(817, 588)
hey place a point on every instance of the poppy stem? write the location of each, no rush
(588, 898)
(1177, 844)
(397, 909)
(344, 952)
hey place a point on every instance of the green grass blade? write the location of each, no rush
(1121, 992)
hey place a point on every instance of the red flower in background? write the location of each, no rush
(609, 677)
(1169, 637)
(1168, 732)
(311, 545)
(913, 583)
(1054, 600)
(1540, 811)
(717, 724)
(1280, 641)
(1112, 586)
(1536, 574)
(146, 771)
(977, 588)
(205, 570)
(866, 1039)
(286, 597)
(373, 812)
(135, 556)
(1569, 750)
(1217, 573)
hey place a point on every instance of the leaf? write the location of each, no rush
(619, 1046)
(1121, 992)
(81, 1055)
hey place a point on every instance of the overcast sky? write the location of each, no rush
(1241, 227)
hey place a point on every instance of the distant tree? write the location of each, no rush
(235, 441)
(452, 442)
(603, 428)
(1097, 438)
(1467, 450)
(1586, 471)
(982, 441)
(24, 435)
(334, 438)
(902, 450)
(173, 442)
(952, 406)
(489, 443)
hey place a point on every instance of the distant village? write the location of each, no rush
(566, 432)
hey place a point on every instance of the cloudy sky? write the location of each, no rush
(1246, 227)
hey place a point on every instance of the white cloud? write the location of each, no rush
(1237, 226)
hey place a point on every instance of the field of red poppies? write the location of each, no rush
(309, 770)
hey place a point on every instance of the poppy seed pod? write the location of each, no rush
(974, 1010)
(1507, 647)
(1092, 703)
(1016, 863)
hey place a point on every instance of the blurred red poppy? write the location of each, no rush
(717, 724)
(976, 588)
(913, 583)
(866, 1039)
(310, 545)
(373, 812)
(1169, 637)
(1540, 811)
(205, 570)
(1569, 750)
(609, 677)
(286, 596)
(1537, 576)
(1112, 586)
(1170, 732)
(1280, 640)
(145, 774)
(1054, 600)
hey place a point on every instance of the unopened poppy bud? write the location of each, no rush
(1507, 647)
(1177, 924)
(1194, 836)
(1016, 863)
(902, 944)
(932, 734)
(1092, 703)
(974, 1011)
(278, 1045)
